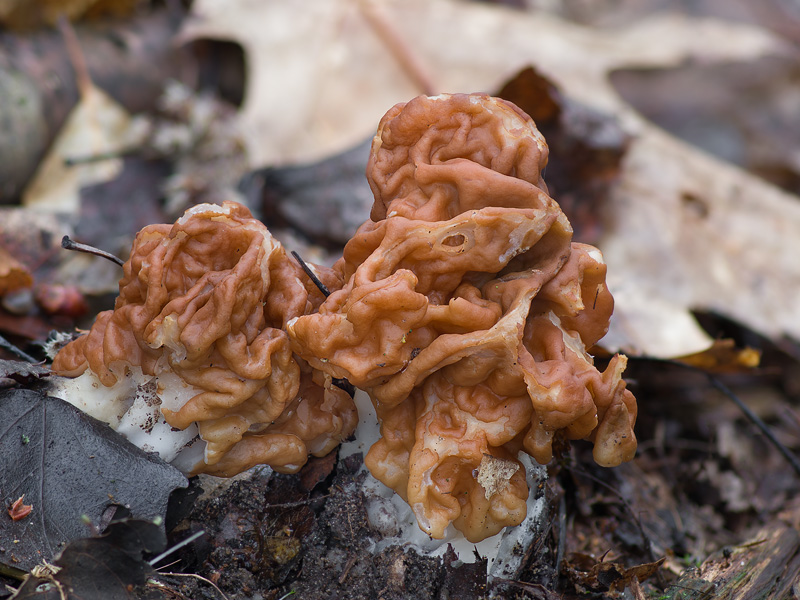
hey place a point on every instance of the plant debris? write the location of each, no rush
(109, 566)
(71, 468)
(625, 94)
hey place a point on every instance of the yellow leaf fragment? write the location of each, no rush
(98, 126)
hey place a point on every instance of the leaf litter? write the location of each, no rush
(71, 469)
(704, 480)
(109, 566)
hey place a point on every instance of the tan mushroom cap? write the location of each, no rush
(466, 314)
(433, 443)
(207, 299)
(462, 307)
(413, 166)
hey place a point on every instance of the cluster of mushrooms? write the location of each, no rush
(462, 307)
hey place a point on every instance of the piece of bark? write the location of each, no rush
(766, 567)
(38, 88)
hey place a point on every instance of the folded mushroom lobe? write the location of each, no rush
(203, 307)
(466, 312)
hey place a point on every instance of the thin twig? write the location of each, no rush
(628, 507)
(338, 382)
(311, 275)
(76, 55)
(177, 546)
(168, 565)
(346, 571)
(753, 417)
(787, 454)
(94, 158)
(201, 578)
(6, 345)
(298, 503)
(402, 51)
(69, 244)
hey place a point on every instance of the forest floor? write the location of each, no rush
(710, 506)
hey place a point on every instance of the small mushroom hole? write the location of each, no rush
(454, 240)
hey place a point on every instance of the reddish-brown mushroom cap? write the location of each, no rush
(206, 300)
(462, 307)
(466, 314)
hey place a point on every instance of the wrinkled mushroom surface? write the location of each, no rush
(200, 318)
(462, 307)
(466, 314)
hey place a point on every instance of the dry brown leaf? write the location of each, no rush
(590, 574)
(687, 231)
(13, 274)
(29, 14)
(724, 357)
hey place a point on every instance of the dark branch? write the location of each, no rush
(753, 417)
(311, 275)
(69, 244)
(340, 383)
(787, 454)
(6, 345)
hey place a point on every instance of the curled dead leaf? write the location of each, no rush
(18, 510)
(607, 575)
(13, 274)
(723, 357)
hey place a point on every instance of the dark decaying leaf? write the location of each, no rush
(19, 370)
(111, 226)
(327, 200)
(106, 567)
(591, 575)
(586, 149)
(464, 580)
(317, 470)
(736, 111)
(68, 465)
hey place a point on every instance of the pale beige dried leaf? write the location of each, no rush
(320, 78)
(97, 126)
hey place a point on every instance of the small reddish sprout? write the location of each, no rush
(18, 510)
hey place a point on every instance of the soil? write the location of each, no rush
(706, 485)
(268, 536)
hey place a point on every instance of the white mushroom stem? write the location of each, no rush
(133, 408)
(394, 519)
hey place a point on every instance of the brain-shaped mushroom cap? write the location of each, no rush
(202, 307)
(466, 314)
(475, 142)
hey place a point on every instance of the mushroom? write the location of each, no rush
(466, 314)
(462, 307)
(194, 362)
